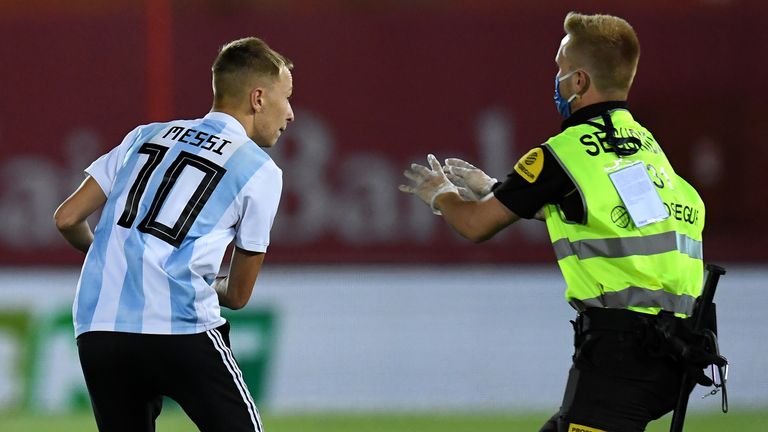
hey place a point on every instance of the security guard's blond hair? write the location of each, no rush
(239, 66)
(605, 46)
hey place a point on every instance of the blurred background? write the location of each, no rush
(368, 302)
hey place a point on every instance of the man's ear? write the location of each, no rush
(257, 99)
(583, 80)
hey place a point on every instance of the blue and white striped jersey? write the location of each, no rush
(177, 194)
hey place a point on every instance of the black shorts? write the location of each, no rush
(127, 375)
(618, 383)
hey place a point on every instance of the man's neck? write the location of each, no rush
(593, 97)
(244, 120)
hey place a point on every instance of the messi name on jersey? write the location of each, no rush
(197, 138)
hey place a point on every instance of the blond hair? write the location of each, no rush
(606, 46)
(240, 63)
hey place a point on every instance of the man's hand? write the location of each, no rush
(428, 183)
(474, 181)
(221, 285)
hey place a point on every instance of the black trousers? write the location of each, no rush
(619, 381)
(127, 375)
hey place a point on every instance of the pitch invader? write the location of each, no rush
(173, 197)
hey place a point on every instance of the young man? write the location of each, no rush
(625, 227)
(173, 196)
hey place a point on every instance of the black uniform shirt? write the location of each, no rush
(538, 178)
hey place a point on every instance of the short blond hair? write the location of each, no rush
(607, 46)
(242, 61)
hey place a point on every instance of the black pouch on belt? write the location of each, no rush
(693, 349)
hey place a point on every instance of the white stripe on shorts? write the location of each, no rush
(234, 370)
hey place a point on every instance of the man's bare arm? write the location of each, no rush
(71, 215)
(475, 220)
(235, 289)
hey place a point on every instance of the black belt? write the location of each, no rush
(596, 319)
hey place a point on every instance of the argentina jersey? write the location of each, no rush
(178, 193)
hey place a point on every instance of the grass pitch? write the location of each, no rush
(176, 421)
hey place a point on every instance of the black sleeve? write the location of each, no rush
(538, 179)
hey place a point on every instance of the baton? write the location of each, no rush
(705, 301)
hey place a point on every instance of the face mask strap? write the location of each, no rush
(566, 76)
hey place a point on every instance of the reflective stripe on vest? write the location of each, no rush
(639, 297)
(628, 246)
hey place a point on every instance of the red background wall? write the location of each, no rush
(377, 85)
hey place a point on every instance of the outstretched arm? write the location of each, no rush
(476, 220)
(71, 215)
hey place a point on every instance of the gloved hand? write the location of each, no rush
(465, 175)
(429, 183)
(464, 192)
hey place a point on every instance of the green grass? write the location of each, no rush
(175, 421)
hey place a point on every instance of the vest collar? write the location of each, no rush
(590, 112)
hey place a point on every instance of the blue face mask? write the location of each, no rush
(563, 105)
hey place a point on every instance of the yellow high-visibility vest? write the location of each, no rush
(606, 260)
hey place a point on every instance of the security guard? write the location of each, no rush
(625, 227)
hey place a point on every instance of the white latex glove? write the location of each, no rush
(464, 192)
(465, 175)
(429, 183)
